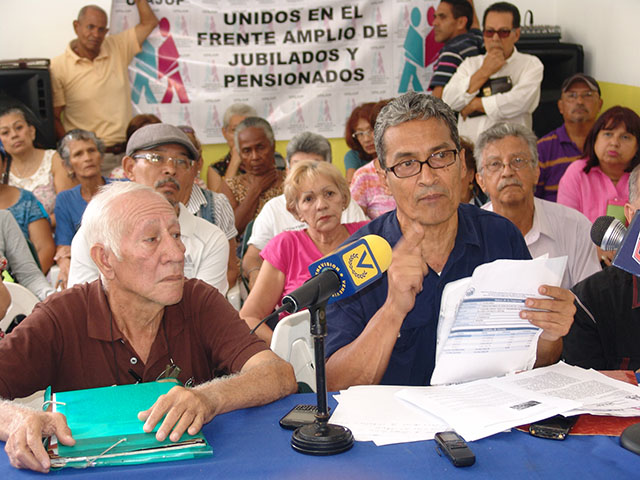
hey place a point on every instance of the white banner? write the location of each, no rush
(303, 65)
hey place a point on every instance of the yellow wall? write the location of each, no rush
(617, 94)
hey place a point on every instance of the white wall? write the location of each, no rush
(608, 30)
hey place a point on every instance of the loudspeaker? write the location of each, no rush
(560, 60)
(26, 83)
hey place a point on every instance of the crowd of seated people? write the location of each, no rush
(511, 195)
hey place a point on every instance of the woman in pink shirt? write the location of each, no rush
(316, 193)
(599, 183)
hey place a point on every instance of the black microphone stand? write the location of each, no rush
(321, 437)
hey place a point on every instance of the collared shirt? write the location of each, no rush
(223, 215)
(70, 341)
(482, 237)
(452, 54)
(556, 152)
(274, 218)
(605, 334)
(206, 255)
(514, 106)
(95, 94)
(591, 193)
(558, 231)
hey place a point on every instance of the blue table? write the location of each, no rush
(250, 444)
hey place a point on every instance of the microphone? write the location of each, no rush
(342, 273)
(609, 234)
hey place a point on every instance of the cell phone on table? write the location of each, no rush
(455, 448)
(555, 428)
(298, 416)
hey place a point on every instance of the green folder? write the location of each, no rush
(104, 422)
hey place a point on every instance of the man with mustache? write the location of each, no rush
(161, 156)
(386, 333)
(507, 166)
(579, 105)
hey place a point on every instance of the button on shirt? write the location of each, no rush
(482, 237)
(514, 106)
(558, 230)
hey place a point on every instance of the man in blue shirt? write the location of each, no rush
(386, 333)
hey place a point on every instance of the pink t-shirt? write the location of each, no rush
(591, 193)
(292, 252)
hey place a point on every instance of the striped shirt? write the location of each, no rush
(556, 151)
(454, 51)
(222, 211)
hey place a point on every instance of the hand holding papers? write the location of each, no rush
(480, 332)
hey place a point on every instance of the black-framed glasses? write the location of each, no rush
(157, 159)
(410, 168)
(361, 133)
(502, 33)
(516, 163)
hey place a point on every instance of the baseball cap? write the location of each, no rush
(589, 80)
(154, 135)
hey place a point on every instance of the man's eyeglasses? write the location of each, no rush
(361, 133)
(502, 33)
(516, 163)
(156, 159)
(411, 168)
(573, 96)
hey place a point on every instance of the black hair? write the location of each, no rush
(461, 8)
(504, 7)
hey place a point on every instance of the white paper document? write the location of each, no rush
(480, 332)
(598, 394)
(485, 407)
(374, 413)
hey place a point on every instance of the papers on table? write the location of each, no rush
(374, 413)
(481, 408)
(480, 332)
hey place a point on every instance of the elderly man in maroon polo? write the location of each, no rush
(140, 316)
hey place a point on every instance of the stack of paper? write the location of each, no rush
(374, 413)
(480, 332)
(478, 409)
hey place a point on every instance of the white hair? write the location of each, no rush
(103, 220)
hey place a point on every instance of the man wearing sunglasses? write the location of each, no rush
(507, 166)
(386, 333)
(501, 86)
(161, 156)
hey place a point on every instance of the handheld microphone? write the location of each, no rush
(342, 273)
(609, 234)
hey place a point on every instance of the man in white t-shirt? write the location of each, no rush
(161, 156)
(274, 217)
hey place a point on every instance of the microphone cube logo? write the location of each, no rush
(360, 264)
(636, 251)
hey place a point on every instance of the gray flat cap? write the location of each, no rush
(151, 136)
